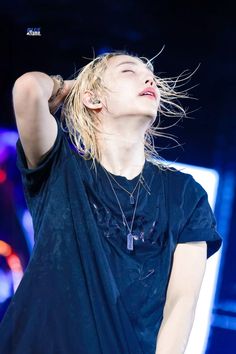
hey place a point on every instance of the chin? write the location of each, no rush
(150, 111)
(151, 115)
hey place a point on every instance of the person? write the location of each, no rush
(121, 239)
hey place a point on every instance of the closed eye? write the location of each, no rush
(125, 71)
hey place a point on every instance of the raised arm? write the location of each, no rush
(36, 125)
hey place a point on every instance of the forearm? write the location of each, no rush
(175, 328)
(40, 86)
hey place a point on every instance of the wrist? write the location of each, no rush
(57, 88)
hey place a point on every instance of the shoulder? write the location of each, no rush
(178, 182)
(173, 174)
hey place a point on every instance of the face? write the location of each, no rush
(125, 78)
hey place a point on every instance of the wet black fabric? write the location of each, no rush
(83, 291)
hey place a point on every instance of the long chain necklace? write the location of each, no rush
(130, 236)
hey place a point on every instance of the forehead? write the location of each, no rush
(119, 60)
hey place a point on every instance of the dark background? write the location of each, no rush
(193, 32)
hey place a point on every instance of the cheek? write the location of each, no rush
(121, 95)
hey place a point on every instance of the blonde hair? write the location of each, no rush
(82, 123)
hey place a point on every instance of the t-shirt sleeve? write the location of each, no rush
(35, 179)
(199, 221)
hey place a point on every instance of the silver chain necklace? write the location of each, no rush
(140, 180)
(130, 236)
(131, 196)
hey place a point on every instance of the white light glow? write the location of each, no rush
(28, 227)
(5, 289)
(208, 179)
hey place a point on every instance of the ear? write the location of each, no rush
(90, 101)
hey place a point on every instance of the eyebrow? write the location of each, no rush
(132, 62)
(127, 62)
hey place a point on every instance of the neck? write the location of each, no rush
(122, 144)
(122, 155)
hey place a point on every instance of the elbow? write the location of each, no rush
(26, 90)
(26, 83)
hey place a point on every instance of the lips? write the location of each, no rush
(148, 91)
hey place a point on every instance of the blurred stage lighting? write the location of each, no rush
(10, 277)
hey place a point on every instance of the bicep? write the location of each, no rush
(188, 269)
(36, 126)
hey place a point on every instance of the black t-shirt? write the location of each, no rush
(83, 291)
